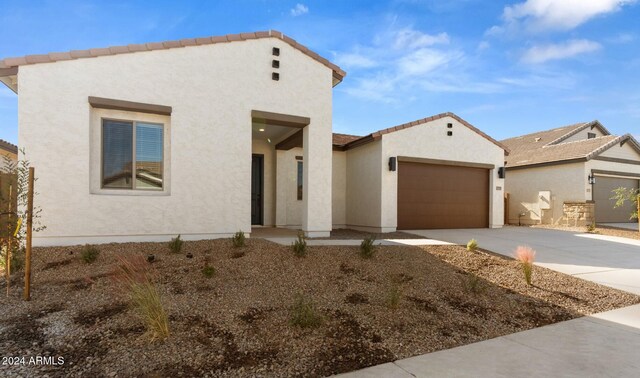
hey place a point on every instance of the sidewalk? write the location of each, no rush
(604, 344)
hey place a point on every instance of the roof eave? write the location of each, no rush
(9, 77)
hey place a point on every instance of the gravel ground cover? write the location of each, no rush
(404, 302)
(602, 230)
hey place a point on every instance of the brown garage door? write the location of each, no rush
(439, 196)
(602, 193)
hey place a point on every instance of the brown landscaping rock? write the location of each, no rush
(237, 323)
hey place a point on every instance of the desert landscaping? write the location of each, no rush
(236, 317)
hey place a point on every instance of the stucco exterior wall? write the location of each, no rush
(430, 141)
(622, 152)
(339, 189)
(582, 135)
(364, 194)
(3, 163)
(212, 90)
(289, 208)
(567, 183)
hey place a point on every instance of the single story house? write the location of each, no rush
(567, 175)
(208, 136)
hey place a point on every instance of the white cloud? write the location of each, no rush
(622, 38)
(545, 15)
(409, 38)
(483, 46)
(545, 53)
(299, 10)
(399, 62)
(425, 60)
(354, 60)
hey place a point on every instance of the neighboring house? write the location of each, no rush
(8, 154)
(204, 137)
(567, 175)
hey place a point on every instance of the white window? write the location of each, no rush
(132, 155)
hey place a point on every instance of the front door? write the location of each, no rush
(257, 188)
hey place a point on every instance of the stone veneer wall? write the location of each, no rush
(578, 213)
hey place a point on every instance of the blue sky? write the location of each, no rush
(508, 67)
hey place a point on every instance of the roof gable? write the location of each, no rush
(8, 65)
(378, 134)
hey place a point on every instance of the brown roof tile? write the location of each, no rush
(4, 145)
(342, 139)
(78, 54)
(581, 149)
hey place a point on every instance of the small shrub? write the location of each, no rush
(592, 228)
(394, 294)
(89, 254)
(300, 246)
(367, 247)
(136, 279)
(208, 271)
(175, 245)
(17, 259)
(475, 285)
(304, 313)
(238, 239)
(526, 255)
(472, 245)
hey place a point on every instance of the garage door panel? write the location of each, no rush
(438, 196)
(604, 205)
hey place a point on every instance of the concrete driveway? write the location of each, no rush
(607, 260)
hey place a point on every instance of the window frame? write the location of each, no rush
(299, 180)
(591, 135)
(134, 124)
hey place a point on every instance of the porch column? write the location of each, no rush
(316, 197)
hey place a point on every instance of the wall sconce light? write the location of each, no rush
(392, 163)
(592, 179)
(502, 173)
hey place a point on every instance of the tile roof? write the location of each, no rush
(549, 147)
(8, 63)
(342, 139)
(4, 145)
(378, 134)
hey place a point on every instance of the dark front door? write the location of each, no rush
(257, 188)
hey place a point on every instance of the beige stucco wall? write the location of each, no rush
(583, 134)
(626, 151)
(4, 165)
(339, 189)
(567, 183)
(212, 90)
(288, 207)
(430, 141)
(364, 194)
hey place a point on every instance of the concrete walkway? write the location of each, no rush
(356, 242)
(602, 345)
(607, 260)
